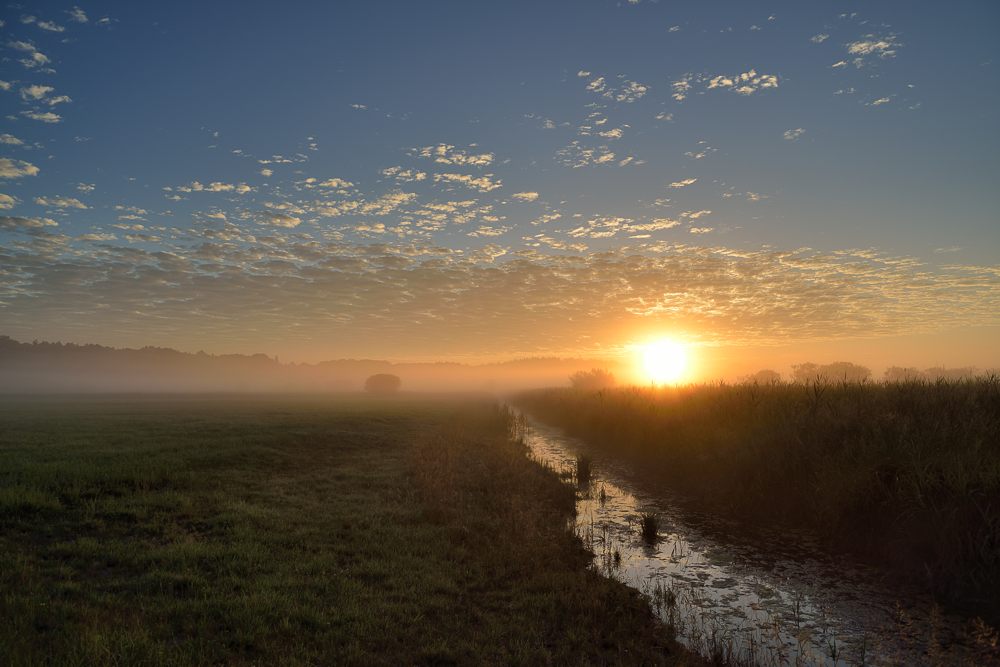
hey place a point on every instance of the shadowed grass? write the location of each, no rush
(905, 473)
(179, 531)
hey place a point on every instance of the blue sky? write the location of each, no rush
(455, 179)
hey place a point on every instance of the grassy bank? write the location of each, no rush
(293, 531)
(907, 474)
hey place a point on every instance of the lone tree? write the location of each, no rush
(765, 376)
(383, 383)
(592, 380)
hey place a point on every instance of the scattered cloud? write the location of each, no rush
(683, 183)
(626, 91)
(404, 175)
(792, 135)
(819, 39)
(16, 168)
(746, 83)
(216, 186)
(278, 219)
(77, 15)
(448, 154)
(577, 155)
(10, 140)
(335, 183)
(871, 45)
(43, 116)
(35, 92)
(7, 202)
(34, 59)
(525, 196)
(682, 87)
(60, 202)
(483, 183)
(17, 223)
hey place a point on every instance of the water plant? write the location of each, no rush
(649, 526)
(584, 465)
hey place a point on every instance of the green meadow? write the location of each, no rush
(294, 531)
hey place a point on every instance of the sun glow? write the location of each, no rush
(664, 361)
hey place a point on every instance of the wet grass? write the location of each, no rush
(294, 531)
(906, 474)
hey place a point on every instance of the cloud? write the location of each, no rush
(16, 168)
(448, 154)
(627, 91)
(35, 92)
(266, 173)
(278, 219)
(482, 183)
(45, 117)
(683, 183)
(657, 224)
(792, 135)
(10, 140)
(85, 187)
(682, 87)
(60, 202)
(4, 85)
(50, 26)
(404, 175)
(335, 183)
(746, 83)
(525, 196)
(701, 230)
(214, 286)
(7, 202)
(819, 39)
(879, 102)
(546, 218)
(34, 59)
(215, 186)
(577, 155)
(701, 153)
(77, 15)
(872, 45)
(19, 224)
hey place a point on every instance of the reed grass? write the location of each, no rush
(906, 474)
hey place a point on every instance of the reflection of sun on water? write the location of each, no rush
(664, 361)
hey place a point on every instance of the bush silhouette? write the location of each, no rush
(592, 380)
(383, 383)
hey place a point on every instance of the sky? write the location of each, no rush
(486, 181)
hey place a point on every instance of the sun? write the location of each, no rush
(664, 361)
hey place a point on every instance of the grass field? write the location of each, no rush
(907, 474)
(184, 531)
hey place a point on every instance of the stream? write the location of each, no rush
(775, 599)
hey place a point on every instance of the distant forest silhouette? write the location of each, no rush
(68, 368)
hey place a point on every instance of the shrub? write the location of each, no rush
(383, 383)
